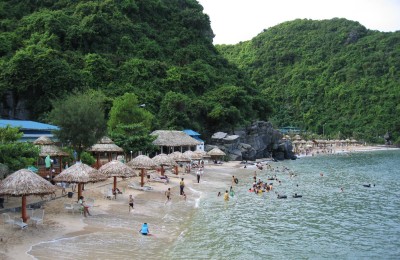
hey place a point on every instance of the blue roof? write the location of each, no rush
(198, 139)
(191, 132)
(23, 124)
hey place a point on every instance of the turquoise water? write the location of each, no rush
(358, 223)
(325, 223)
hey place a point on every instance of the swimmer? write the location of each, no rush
(226, 196)
(219, 194)
(341, 189)
(321, 174)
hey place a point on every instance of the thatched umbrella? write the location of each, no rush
(142, 162)
(48, 148)
(105, 145)
(163, 160)
(80, 173)
(178, 157)
(116, 169)
(216, 152)
(23, 183)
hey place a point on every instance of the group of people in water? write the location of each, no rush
(260, 186)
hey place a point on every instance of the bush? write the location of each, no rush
(87, 158)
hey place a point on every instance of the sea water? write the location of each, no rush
(355, 223)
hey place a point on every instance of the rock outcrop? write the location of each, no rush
(260, 140)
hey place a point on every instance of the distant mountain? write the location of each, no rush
(332, 76)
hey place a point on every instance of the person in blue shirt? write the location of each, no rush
(145, 229)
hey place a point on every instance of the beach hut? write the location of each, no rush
(163, 160)
(216, 153)
(142, 162)
(24, 183)
(105, 146)
(179, 157)
(80, 173)
(49, 148)
(173, 140)
(117, 169)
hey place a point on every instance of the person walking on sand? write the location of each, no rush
(131, 201)
(226, 196)
(168, 194)
(181, 186)
(198, 176)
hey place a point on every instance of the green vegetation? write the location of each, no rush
(16, 155)
(333, 76)
(81, 120)
(149, 48)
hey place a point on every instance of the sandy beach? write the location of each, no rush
(149, 206)
(58, 223)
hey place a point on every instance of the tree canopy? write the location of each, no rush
(332, 73)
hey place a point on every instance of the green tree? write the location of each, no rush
(16, 155)
(80, 117)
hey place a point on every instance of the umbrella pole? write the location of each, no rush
(115, 186)
(176, 169)
(142, 177)
(23, 209)
(79, 190)
(162, 170)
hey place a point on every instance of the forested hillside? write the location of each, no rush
(160, 50)
(332, 75)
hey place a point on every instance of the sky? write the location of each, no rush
(240, 20)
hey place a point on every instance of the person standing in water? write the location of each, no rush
(181, 186)
(226, 196)
(168, 194)
(198, 176)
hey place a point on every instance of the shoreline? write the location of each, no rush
(59, 225)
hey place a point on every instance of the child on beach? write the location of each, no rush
(168, 194)
(131, 201)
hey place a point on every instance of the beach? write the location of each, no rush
(149, 207)
(112, 219)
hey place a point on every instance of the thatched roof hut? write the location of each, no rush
(142, 162)
(105, 145)
(173, 139)
(43, 140)
(49, 148)
(23, 183)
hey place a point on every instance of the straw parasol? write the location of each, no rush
(80, 173)
(216, 152)
(116, 169)
(142, 162)
(178, 157)
(163, 160)
(49, 148)
(23, 183)
(192, 155)
(105, 145)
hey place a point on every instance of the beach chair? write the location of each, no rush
(37, 216)
(78, 208)
(69, 207)
(137, 186)
(7, 219)
(19, 223)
